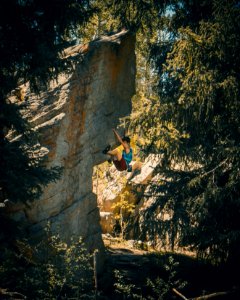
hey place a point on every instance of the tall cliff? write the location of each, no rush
(74, 118)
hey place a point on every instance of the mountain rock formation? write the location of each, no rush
(75, 117)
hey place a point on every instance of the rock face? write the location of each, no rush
(75, 117)
(110, 188)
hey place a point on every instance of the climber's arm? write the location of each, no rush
(118, 137)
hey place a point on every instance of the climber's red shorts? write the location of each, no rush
(120, 164)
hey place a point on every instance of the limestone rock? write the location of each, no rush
(75, 117)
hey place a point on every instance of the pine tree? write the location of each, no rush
(33, 35)
(194, 121)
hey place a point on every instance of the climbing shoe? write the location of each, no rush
(134, 174)
(137, 172)
(105, 151)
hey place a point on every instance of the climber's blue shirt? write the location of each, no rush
(127, 157)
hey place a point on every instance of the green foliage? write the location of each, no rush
(24, 174)
(102, 22)
(49, 270)
(124, 289)
(161, 289)
(122, 210)
(33, 34)
(186, 108)
(156, 288)
(137, 15)
(191, 117)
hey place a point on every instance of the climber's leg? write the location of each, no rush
(108, 148)
(136, 169)
(137, 166)
(117, 155)
(118, 160)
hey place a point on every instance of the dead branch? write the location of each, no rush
(205, 297)
(12, 295)
(179, 294)
(209, 296)
(214, 169)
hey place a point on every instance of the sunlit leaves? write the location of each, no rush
(195, 119)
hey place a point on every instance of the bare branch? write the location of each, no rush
(205, 297)
(11, 294)
(213, 295)
(179, 294)
(214, 169)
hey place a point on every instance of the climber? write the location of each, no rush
(122, 160)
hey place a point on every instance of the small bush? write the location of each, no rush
(52, 269)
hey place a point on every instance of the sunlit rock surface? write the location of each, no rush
(75, 117)
(114, 184)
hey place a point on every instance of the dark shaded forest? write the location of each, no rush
(186, 108)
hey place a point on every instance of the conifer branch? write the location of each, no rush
(214, 169)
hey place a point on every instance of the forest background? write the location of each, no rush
(186, 107)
